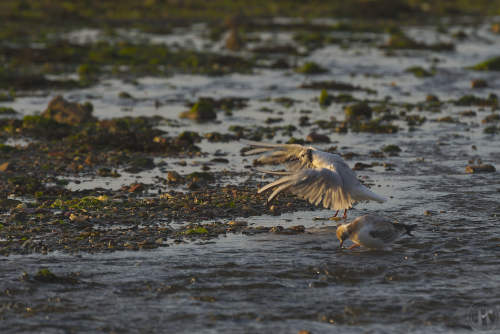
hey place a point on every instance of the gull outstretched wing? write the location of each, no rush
(318, 186)
(294, 156)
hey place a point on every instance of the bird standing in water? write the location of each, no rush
(372, 231)
(317, 176)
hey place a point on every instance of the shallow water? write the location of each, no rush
(431, 283)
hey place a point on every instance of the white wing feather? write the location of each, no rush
(318, 186)
(317, 176)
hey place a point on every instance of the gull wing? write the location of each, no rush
(294, 156)
(384, 230)
(318, 186)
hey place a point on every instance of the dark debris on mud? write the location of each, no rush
(126, 220)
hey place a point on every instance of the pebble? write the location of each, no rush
(484, 168)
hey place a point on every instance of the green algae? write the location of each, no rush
(492, 64)
(44, 274)
(400, 41)
(22, 184)
(125, 95)
(358, 111)
(492, 129)
(84, 203)
(419, 72)
(7, 111)
(92, 61)
(311, 68)
(4, 148)
(197, 230)
(40, 126)
(472, 100)
(374, 126)
(202, 111)
(391, 149)
(88, 73)
(325, 99)
(7, 97)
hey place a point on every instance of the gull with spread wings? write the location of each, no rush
(317, 176)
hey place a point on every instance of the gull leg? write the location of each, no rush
(345, 214)
(336, 213)
(353, 246)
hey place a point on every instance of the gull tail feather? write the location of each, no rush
(363, 193)
(409, 229)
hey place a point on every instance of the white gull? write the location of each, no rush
(317, 176)
(372, 231)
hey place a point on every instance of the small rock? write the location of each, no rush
(325, 99)
(136, 187)
(237, 223)
(276, 229)
(495, 27)
(479, 83)
(189, 137)
(78, 218)
(233, 40)
(298, 228)
(446, 119)
(314, 137)
(220, 160)
(139, 164)
(125, 95)
(193, 185)
(201, 111)
(361, 166)
(491, 118)
(21, 206)
(484, 168)
(67, 112)
(280, 64)
(310, 68)
(106, 172)
(431, 98)
(468, 113)
(357, 111)
(5, 166)
(174, 177)
(349, 155)
(391, 149)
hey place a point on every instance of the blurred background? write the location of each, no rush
(93, 38)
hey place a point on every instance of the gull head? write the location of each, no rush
(342, 233)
